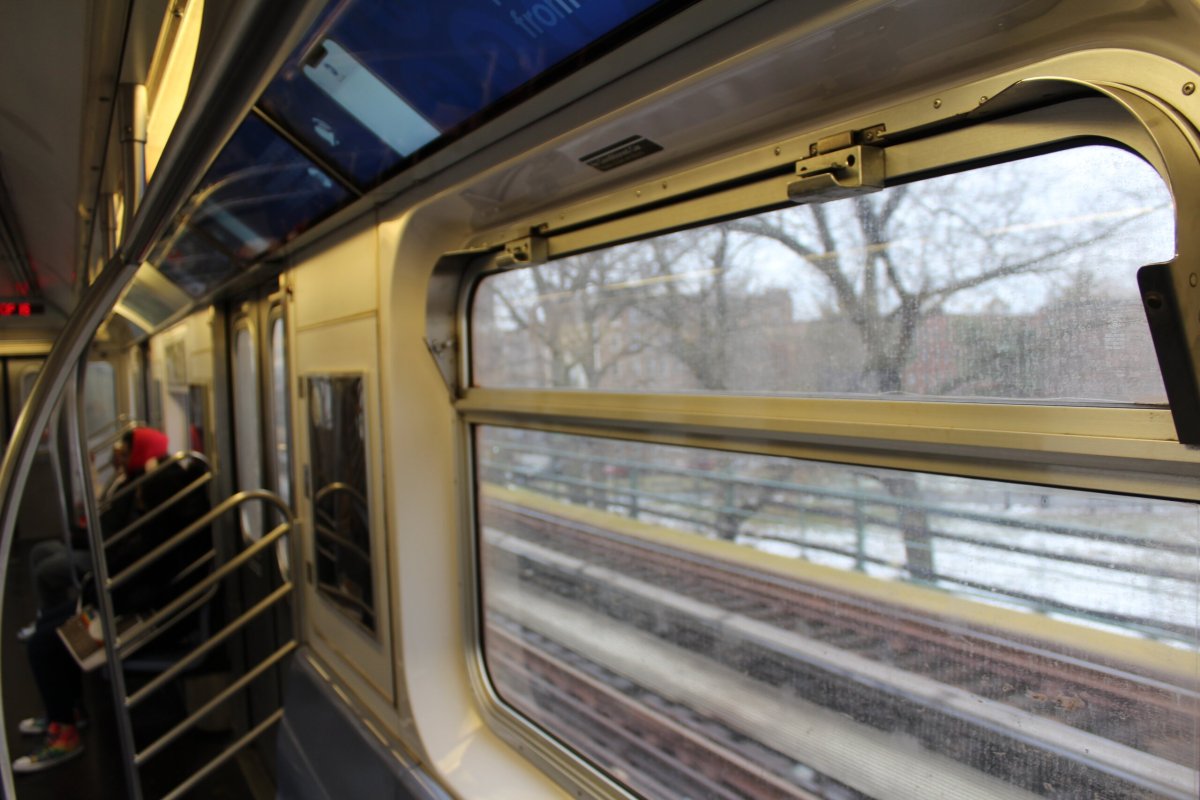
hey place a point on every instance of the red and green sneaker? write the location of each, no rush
(62, 744)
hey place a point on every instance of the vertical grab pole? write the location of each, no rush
(75, 402)
(256, 38)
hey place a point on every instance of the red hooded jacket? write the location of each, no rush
(147, 444)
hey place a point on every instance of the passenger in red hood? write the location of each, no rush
(177, 498)
(143, 445)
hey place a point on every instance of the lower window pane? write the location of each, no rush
(710, 624)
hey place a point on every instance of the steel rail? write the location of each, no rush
(158, 510)
(168, 611)
(75, 415)
(229, 691)
(225, 755)
(192, 529)
(146, 476)
(219, 638)
(121, 425)
(255, 40)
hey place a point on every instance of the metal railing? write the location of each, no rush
(192, 602)
(98, 440)
(256, 39)
(122, 646)
(868, 531)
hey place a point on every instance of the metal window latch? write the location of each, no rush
(523, 252)
(844, 172)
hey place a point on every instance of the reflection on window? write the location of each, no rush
(246, 424)
(341, 507)
(281, 440)
(193, 263)
(377, 80)
(340, 75)
(260, 192)
(692, 619)
(280, 412)
(100, 397)
(1011, 281)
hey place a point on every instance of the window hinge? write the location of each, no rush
(840, 166)
(524, 252)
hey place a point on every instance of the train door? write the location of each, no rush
(261, 420)
(344, 541)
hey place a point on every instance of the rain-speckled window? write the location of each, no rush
(705, 623)
(1015, 281)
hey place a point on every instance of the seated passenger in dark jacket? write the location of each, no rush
(58, 677)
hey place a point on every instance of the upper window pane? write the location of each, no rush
(193, 263)
(260, 192)
(1013, 281)
(381, 79)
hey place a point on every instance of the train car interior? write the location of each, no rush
(664, 399)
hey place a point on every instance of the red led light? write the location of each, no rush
(19, 309)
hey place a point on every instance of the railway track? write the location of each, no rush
(651, 745)
(993, 701)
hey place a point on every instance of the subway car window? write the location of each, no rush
(341, 501)
(797, 626)
(280, 421)
(280, 411)
(701, 622)
(248, 425)
(100, 388)
(1012, 281)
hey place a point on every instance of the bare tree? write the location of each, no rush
(570, 310)
(864, 280)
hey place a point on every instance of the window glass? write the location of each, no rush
(100, 397)
(197, 413)
(341, 503)
(281, 441)
(1013, 281)
(246, 424)
(712, 624)
(175, 418)
(193, 263)
(260, 192)
(137, 384)
(377, 80)
(280, 412)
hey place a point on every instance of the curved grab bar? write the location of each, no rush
(339, 486)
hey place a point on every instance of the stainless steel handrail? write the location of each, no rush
(212, 643)
(158, 510)
(225, 755)
(184, 604)
(191, 594)
(75, 414)
(117, 649)
(116, 581)
(229, 691)
(96, 446)
(255, 41)
(146, 476)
